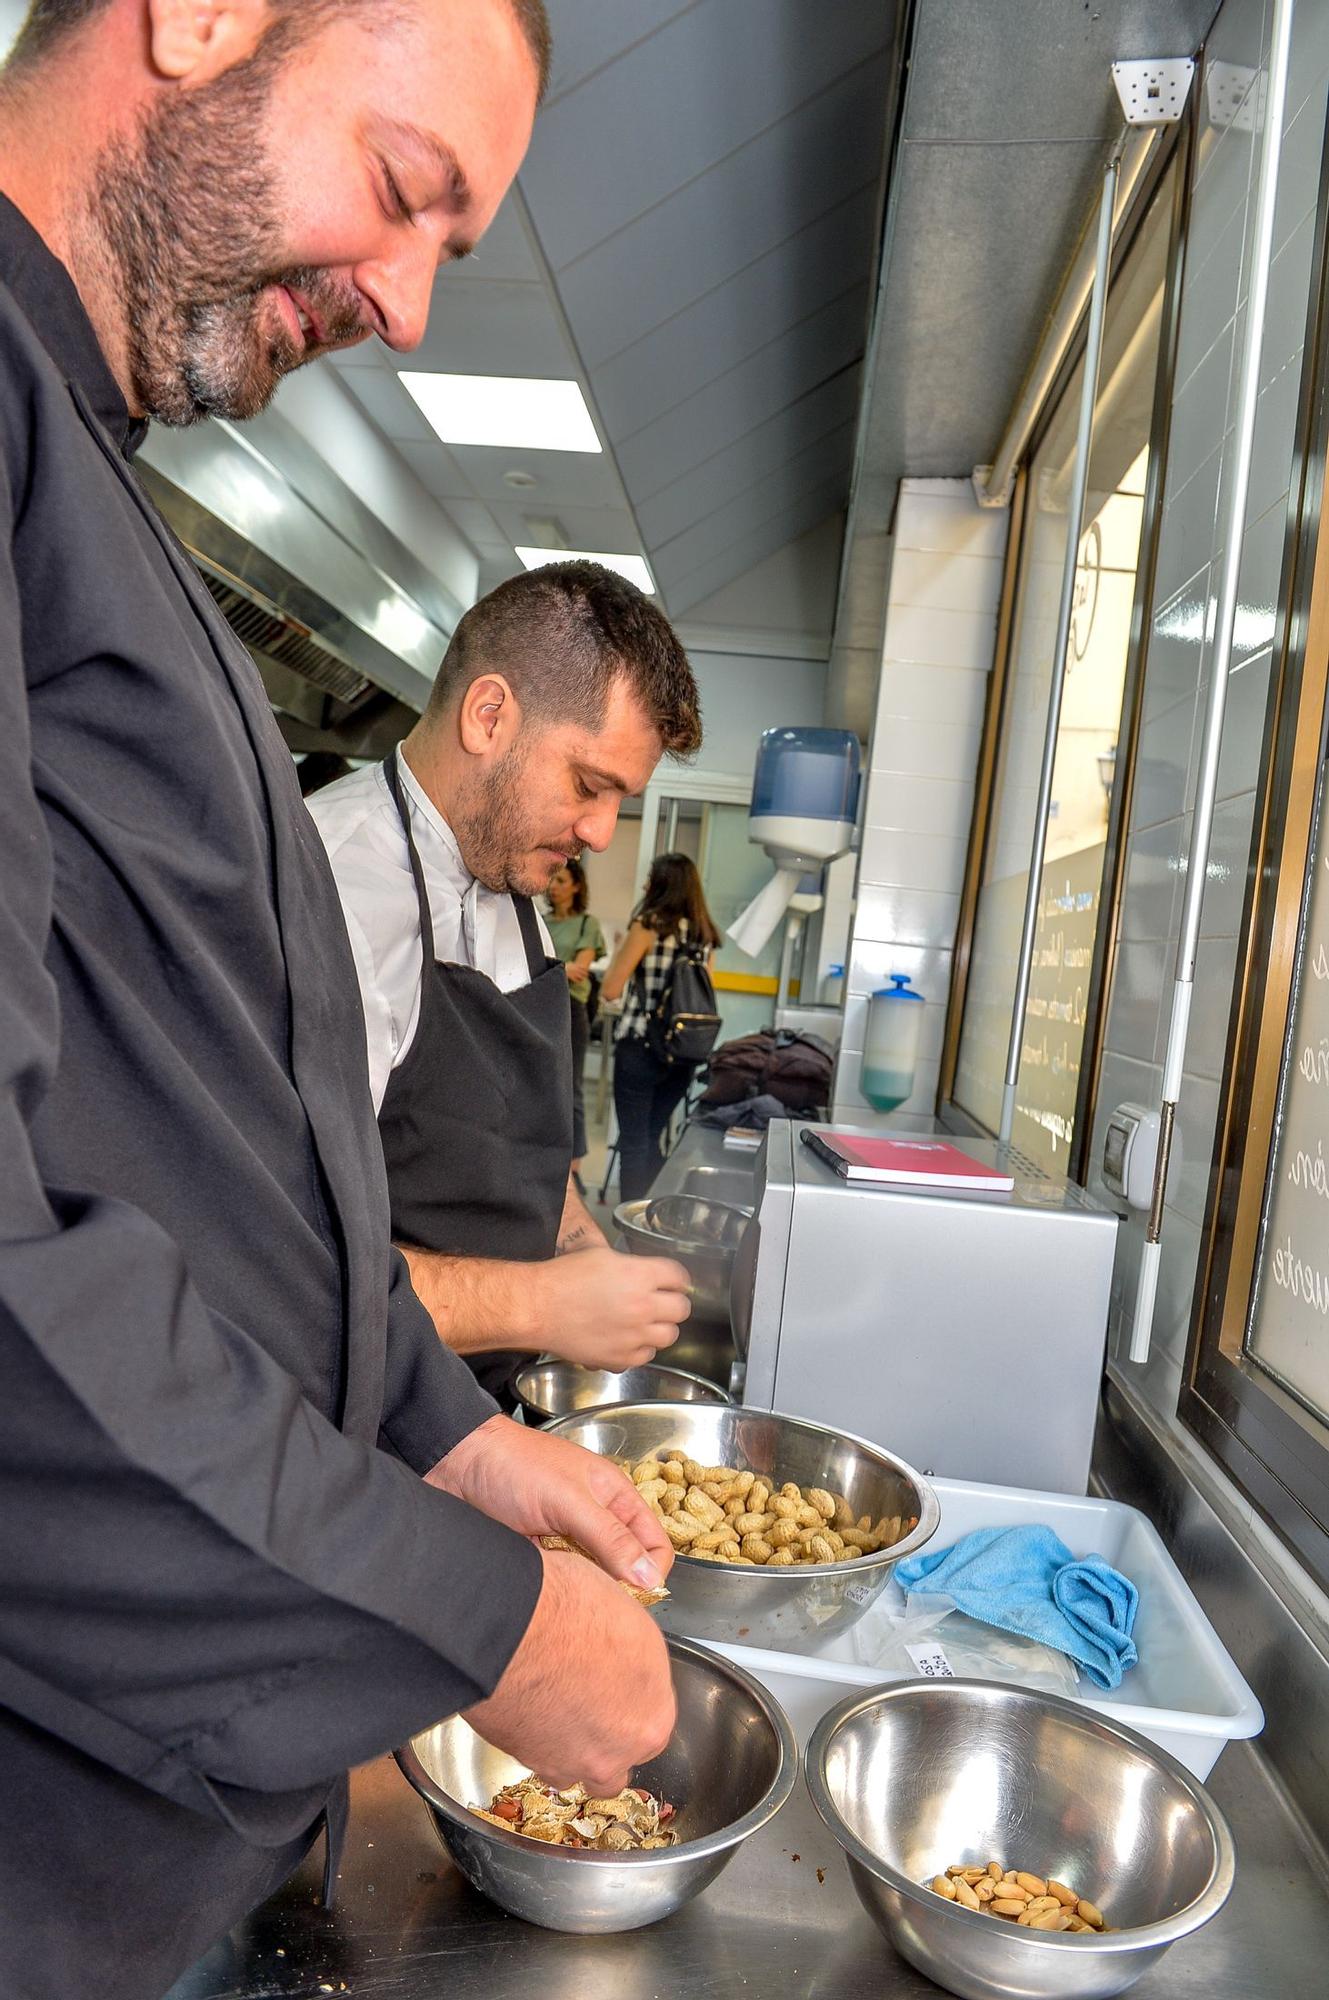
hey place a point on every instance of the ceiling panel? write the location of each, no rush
(594, 32)
(693, 238)
(764, 540)
(773, 519)
(829, 457)
(609, 530)
(436, 468)
(717, 224)
(377, 389)
(764, 299)
(667, 110)
(493, 327)
(580, 479)
(477, 524)
(829, 340)
(504, 251)
(716, 479)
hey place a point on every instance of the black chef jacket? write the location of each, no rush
(221, 1580)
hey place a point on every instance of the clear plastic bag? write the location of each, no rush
(926, 1635)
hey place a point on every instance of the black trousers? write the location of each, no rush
(581, 1036)
(646, 1095)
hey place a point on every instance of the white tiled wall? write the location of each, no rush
(940, 630)
(1193, 533)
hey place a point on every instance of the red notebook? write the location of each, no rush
(906, 1162)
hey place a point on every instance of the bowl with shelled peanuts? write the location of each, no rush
(1014, 1845)
(784, 1532)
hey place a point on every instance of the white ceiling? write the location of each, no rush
(693, 236)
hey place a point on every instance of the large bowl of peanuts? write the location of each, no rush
(784, 1532)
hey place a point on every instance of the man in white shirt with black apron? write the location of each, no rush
(557, 697)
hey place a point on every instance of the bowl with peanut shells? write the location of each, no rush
(784, 1532)
(571, 1861)
(1014, 1845)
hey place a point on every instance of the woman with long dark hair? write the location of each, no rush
(647, 1090)
(579, 941)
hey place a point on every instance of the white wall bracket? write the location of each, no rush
(1153, 92)
(984, 493)
(1235, 95)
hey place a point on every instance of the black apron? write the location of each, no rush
(477, 1118)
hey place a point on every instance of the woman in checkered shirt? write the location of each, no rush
(647, 1090)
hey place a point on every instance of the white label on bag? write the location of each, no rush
(931, 1662)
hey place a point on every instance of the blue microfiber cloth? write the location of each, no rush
(1026, 1581)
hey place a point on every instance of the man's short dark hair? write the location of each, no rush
(562, 636)
(48, 21)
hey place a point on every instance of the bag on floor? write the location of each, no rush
(684, 1024)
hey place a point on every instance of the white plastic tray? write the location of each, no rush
(1185, 1694)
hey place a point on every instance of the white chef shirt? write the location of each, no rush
(473, 926)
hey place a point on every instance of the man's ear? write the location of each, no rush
(193, 41)
(490, 717)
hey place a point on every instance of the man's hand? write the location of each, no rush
(590, 1304)
(607, 1309)
(587, 1696)
(543, 1485)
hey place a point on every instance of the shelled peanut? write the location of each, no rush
(715, 1513)
(1021, 1898)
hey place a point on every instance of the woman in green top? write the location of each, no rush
(579, 941)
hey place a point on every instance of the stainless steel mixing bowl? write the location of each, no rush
(793, 1609)
(728, 1768)
(700, 1234)
(923, 1775)
(548, 1389)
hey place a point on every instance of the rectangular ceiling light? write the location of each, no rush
(512, 411)
(634, 568)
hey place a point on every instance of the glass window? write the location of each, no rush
(1087, 740)
(1287, 1333)
(1257, 1380)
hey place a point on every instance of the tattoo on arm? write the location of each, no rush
(577, 1229)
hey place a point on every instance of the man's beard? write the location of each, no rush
(494, 834)
(188, 213)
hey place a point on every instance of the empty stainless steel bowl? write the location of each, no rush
(728, 1768)
(698, 1233)
(548, 1389)
(924, 1775)
(796, 1608)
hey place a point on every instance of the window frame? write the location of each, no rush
(1258, 1432)
(1175, 153)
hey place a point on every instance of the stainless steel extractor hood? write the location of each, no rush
(346, 625)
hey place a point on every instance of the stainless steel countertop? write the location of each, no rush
(702, 1146)
(407, 1927)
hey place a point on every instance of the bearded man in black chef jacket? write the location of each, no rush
(256, 1523)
